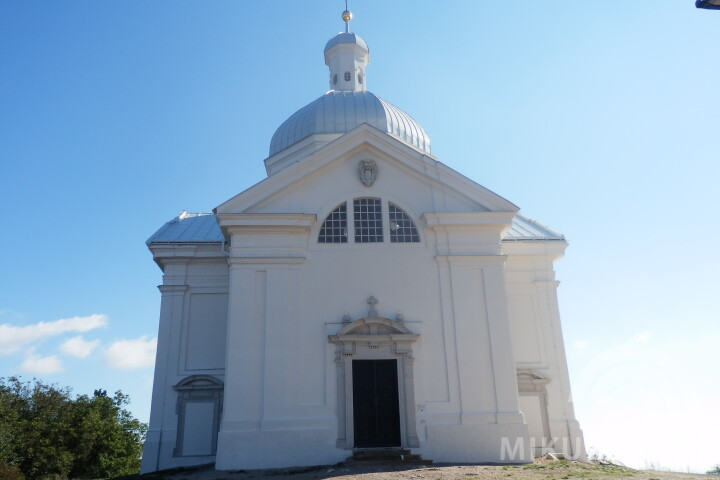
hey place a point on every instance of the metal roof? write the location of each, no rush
(203, 228)
(188, 228)
(341, 111)
(524, 228)
(345, 38)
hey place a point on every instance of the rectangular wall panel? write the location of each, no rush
(206, 331)
(198, 428)
(524, 329)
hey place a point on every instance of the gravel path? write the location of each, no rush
(553, 470)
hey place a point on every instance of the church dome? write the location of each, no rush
(348, 103)
(338, 112)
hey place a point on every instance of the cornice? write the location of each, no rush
(471, 259)
(233, 261)
(435, 220)
(172, 288)
(266, 220)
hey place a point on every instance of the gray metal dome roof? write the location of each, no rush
(346, 38)
(340, 112)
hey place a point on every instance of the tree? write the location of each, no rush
(715, 470)
(45, 431)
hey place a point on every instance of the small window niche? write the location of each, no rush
(199, 407)
(348, 76)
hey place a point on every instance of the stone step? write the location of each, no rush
(385, 456)
(380, 452)
(358, 463)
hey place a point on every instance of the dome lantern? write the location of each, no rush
(347, 55)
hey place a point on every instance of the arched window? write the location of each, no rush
(360, 78)
(335, 79)
(347, 76)
(368, 220)
(402, 229)
(373, 219)
(334, 228)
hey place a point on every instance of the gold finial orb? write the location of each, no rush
(347, 16)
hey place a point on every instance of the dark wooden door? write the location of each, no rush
(376, 409)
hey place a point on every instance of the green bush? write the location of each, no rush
(45, 433)
(9, 472)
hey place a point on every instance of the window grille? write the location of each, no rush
(368, 220)
(402, 229)
(334, 228)
(347, 76)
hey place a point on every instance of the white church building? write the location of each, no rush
(362, 296)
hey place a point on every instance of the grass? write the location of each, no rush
(576, 469)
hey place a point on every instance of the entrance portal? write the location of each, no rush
(376, 409)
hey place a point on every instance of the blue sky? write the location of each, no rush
(599, 121)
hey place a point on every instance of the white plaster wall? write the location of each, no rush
(287, 293)
(281, 369)
(537, 335)
(190, 272)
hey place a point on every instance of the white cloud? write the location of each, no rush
(14, 338)
(78, 347)
(641, 337)
(132, 354)
(41, 365)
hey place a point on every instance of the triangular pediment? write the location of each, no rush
(366, 140)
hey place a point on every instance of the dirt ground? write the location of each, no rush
(553, 470)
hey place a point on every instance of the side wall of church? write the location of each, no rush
(190, 362)
(538, 347)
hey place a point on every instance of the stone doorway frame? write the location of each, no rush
(533, 384)
(375, 338)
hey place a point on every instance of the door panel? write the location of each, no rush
(376, 410)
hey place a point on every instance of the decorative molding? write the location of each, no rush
(367, 171)
(531, 381)
(417, 162)
(198, 389)
(454, 220)
(172, 288)
(372, 301)
(375, 338)
(233, 261)
(266, 220)
(199, 382)
(472, 260)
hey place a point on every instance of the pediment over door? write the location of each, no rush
(374, 326)
(372, 332)
(531, 381)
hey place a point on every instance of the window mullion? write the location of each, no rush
(351, 221)
(386, 221)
